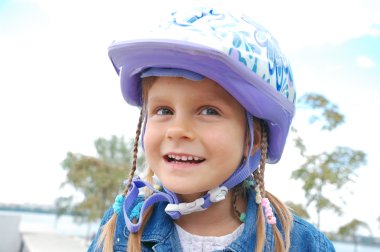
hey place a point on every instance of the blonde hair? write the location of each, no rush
(282, 241)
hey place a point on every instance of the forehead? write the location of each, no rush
(206, 88)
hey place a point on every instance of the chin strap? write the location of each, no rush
(157, 196)
(215, 195)
(175, 209)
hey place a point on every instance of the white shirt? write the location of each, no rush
(196, 243)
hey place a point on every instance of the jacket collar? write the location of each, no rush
(160, 228)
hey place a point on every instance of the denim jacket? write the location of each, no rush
(160, 234)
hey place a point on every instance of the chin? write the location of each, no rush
(179, 187)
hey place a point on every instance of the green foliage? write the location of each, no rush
(298, 142)
(325, 170)
(324, 111)
(98, 179)
(351, 228)
(334, 168)
(298, 209)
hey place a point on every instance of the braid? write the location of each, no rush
(286, 219)
(238, 191)
(106, 238)
(258, 176)
(264, 150)
(259, 173)
(135, 151)
(108, 231)
(134, 239)
(234, 199)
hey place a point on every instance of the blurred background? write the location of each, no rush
(64, 121)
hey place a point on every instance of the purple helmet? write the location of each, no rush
(234, 51)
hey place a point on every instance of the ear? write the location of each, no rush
(257, 137)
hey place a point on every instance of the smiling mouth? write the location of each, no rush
(188, 159)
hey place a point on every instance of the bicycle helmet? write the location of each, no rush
(234, 51)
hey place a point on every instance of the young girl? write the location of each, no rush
(217, 99)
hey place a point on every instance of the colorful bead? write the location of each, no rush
(272, 220)
(136, 211)
(242, 217)
(258, 198)
(248, 183)
(265, 202)
(158, 187)
(268, 211)
(118, 204)
(257, 189)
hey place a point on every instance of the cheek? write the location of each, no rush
(151, 140)
(229, 143)
(149, 135)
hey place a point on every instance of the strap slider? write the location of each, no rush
(218, 193)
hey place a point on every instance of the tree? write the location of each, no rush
(298, 209)
(323, 111)
(325, 170)
(97, 179)
(351, 229)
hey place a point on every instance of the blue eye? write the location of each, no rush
(209, 111)
(164, 111)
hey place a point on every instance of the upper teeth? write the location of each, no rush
(184, 158)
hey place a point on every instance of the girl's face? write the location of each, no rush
(195, 134)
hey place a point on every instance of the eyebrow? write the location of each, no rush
(208, 97)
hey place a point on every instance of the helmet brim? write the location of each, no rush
(130, 58)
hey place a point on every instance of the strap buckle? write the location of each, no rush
(186, 208)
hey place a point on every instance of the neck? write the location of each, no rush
(218, 220)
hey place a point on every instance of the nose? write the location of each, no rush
(181, 128)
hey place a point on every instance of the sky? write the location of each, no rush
(59, 91)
